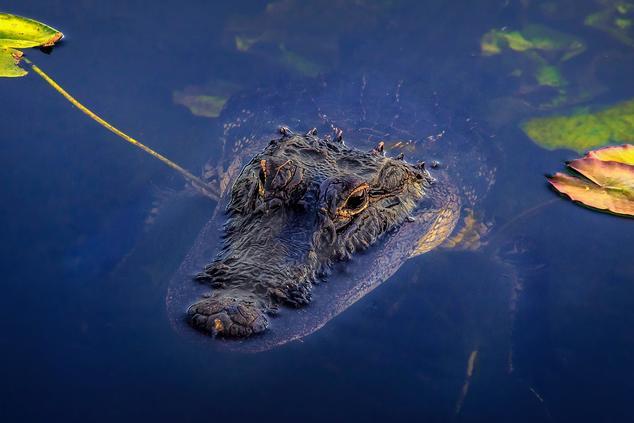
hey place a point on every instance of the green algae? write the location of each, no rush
(584, 130)
(531, 37)
(550, 76)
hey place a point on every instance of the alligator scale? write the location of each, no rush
(311, 221)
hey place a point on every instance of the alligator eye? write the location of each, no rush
(356, 202)
(262, 177)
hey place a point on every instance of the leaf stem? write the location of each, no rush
(197, 182)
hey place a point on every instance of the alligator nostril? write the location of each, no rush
(274, 203)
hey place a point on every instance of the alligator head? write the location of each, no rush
(298, 207)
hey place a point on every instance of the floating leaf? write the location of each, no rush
(19, 32)
(606, 182)
(9, 60)
(16, 31)
(608, 174)
(622, 154)
(584, 130)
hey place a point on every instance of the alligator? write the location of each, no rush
(307, 225)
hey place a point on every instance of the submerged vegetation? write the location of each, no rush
(616, 19)
(538, 54)
(532, 38)
(584, 130)
(291, 32)
(201, 105)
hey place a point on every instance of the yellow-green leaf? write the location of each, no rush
(9, 60)
(606, 182)
(531, 37)
(621, 154)
(582, 131)
(19, 32)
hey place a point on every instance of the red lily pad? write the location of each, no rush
(604, 180)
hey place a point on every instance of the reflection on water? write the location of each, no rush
(536, 326)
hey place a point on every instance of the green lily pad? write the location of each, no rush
(583, 131)
(20, 32)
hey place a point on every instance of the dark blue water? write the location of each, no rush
(84, 333)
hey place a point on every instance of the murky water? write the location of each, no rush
(536, 326)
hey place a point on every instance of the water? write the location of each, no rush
(84, 331)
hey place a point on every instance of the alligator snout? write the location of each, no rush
(228, 316)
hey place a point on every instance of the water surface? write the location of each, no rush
(84, 332)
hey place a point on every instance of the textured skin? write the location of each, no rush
(402, 113)
(297, 207)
